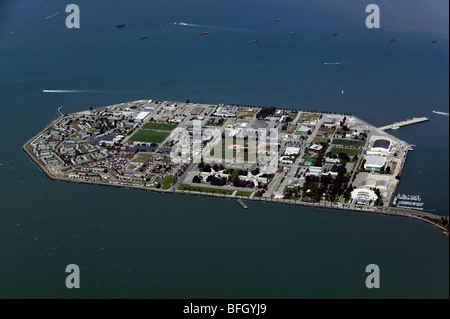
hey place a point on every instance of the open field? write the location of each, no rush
(159, 126)
(149, 136)
(309, 117)
(142, 157)
(348, 151)
(168, 182)
(339, 141)
(243, 194)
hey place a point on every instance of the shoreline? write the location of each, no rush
(411, 214)
(419, 215)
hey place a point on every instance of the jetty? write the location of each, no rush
(404, 123)
(240, 202)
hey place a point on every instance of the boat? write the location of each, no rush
(203, 33)
(434, 41)
(440, 113)
(395, 127)
(335, 34)
(121, 26)
(144, 38)
(331, 63)
(392, 39)
(278, 20)
(52, 16)
(255, 41)
(175, 23)
(445, 233)
(293, 32)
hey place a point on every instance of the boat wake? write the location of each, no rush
(70, 91)
(441, 113)
(214, 27)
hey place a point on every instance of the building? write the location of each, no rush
(316, 147)
(380, 146)
(363, 195)
(374, 163)
(141, 116)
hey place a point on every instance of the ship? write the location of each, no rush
(335, 34)
(255, 41)
(392, 39)
(293, 32)
(434, 41)
(278, 20)
(331, 63)
(144, 38)
(395, 127)
(121, 26)
(203, 33)
(175, 23)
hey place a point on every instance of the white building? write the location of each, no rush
(374, 163)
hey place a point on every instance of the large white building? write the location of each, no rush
(374, 163)
(363, 195)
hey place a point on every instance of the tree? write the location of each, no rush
(196, 179)
(388, 170)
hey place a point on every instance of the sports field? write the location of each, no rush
(149, 136)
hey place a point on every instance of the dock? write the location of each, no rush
(240, 202)
(414, 120)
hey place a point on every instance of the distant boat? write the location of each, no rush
(392, 39)
(121, 26)
(434, 41)
(255, 41)
(440, 113)
(203, 33)
(52, 16)
(278, 20)
(335, 34)
(331, 63)
(293, 32)
(176, 23)
(395, 127)
(342, 91)
(144, 38)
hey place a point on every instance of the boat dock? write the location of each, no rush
(404, 123)
(240, 202)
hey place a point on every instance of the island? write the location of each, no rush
(308, 158)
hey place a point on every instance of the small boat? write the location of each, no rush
(293, 32)
(143, 38)
(331, 63)
(255, 41)
(203, 33)
(121, 26)
(335, 34)
(278, 20)
(445, 233)
(392, 39)
(175, 23)
(434, 41)
(395, 127)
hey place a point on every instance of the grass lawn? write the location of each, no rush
(149, 136)
(309, 117)
(347, 142)
(243, 194)
(186, 187)
(318, 140)
(349, 152)
(168, 182)
(142, 158)
(159, 126)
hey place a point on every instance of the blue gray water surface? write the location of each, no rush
(140, 244)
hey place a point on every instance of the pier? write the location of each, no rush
(240, 202)
(404, 123)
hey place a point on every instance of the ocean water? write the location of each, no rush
(138, 244)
